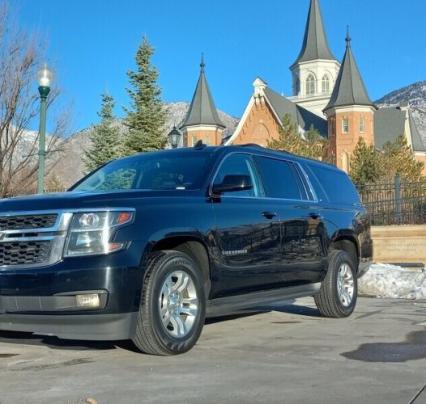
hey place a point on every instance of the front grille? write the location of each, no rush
(24, 252)
(27, 222)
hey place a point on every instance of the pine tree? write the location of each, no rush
(147, 115)
(366, 164)
(289, 139)
(104, 137)
(399, 160)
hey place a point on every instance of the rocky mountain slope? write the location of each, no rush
(415, 96)
(71, 168)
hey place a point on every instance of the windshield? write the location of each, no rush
(150, 171)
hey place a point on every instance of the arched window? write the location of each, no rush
(362, 124)
(325, 84)
(297, 86)
(311, 85)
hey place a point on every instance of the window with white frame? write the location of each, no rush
(311, 85)
(345, 125)
(362, 124)
(325, 84)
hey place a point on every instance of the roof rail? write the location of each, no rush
(252, 145)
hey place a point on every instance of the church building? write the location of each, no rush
(328, 95)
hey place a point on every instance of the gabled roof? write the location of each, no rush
(389, 123)
(202, 110)
(349, 88)
(301, 116)
(315, 44)
(416, 138)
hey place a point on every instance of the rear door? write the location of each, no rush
(302, 252)
(247, 233)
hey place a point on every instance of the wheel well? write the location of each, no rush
(192, 247)
(348, 245)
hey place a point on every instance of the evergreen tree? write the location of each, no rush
(147, 115)
(366, 164)
(289, 139)
(104, 137)
(399, 159)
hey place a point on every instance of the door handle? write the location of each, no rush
(269, 215)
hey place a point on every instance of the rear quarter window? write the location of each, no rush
(335, 185)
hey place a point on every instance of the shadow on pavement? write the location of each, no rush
(12, 337)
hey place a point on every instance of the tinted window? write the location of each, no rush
(336, 184)
(152, 171)
(280, 179)
(238, 164)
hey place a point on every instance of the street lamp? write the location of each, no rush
(44, 79)
(174, 137)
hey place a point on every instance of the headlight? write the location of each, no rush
(90, 232)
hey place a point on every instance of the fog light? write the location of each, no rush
(89, 301)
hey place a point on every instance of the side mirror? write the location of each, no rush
(233, 183)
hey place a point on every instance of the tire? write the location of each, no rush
(330, 301)
(159, 330)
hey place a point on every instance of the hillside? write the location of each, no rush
(71, 168)
(415, 96)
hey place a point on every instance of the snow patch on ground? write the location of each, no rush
(384, 280)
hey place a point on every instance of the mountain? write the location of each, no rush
(415, 96)
(71, 168)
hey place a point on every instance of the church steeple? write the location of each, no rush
(315, 44)
(202, 110)
(315, 69)
(202, 120)
(350, 112)
(350, 88)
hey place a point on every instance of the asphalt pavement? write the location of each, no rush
(281, 354)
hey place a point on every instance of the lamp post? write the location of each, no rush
(174, 137)
(44, 79)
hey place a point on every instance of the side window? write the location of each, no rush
(280, 179)
(336, 184)
(239, 164)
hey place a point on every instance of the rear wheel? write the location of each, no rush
(338, 294)
(172, 309)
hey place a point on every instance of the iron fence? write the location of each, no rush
(395, 202)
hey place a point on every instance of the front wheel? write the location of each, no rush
(172, 308)
(338, 294)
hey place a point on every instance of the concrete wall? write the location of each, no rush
(399, 243)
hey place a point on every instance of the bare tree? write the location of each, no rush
(20, 57)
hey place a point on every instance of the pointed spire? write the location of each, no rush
(315, 44)
(348, 38)
(202, 64)
(349, 88)
(202, 110)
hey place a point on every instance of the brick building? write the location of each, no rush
(328, 95)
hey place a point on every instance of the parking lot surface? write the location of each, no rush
(281, 354)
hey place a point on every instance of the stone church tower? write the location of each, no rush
(315, 69)
(202, 121)
(350, 112)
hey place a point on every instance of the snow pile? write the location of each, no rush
(383, 280)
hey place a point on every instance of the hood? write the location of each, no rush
(83, 200)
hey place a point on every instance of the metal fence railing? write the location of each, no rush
(395, 202)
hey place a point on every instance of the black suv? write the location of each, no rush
(146, 246)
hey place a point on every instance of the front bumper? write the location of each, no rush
(42, 300)
(97, 327)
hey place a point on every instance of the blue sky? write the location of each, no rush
(92, 43)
